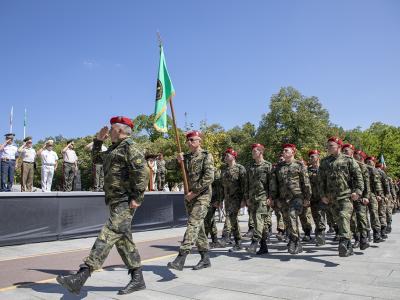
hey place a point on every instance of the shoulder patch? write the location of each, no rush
(138, 161)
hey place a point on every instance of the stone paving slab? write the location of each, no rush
(317, 273)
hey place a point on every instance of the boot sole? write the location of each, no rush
(134, 290)
(203, 267)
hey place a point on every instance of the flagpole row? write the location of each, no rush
(178, 143)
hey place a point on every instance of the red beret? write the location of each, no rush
(231, 152)
(122, 120)
(361, 153)
(193, 133)
(311, 152)
(293, 146)
(370, 158)
(336, 140)
(349, 146)
(257, 146)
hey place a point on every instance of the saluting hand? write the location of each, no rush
(102, 134)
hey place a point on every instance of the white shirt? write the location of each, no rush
(28, 155)
(49, 157)
(9, 151)
(69, 156)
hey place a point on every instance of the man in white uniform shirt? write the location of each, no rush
(49, 165)
(8, 154)
(28, 155)
(70, 166)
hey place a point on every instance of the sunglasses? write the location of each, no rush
(191, 140)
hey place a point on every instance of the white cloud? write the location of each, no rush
(90, 64)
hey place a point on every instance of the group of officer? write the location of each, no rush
(9, 154)
(350, 189)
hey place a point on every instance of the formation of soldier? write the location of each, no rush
(346, 189)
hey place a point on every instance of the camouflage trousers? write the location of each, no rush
(98, 177)
(117, 230)
(210, 225)
(232, 217)
(382, 207)
(251, 219)
(262, 223)
(227, 230)
(280, 225)
(373, 213)
(389, 209)
(160, 180)
(318, 211)
(306, 220)
(342, 210)
(291, 210)
(69, 175)
(195, 233)
(359, 219)
(330, 220)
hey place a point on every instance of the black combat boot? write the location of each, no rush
(364, 244)
(279, 235)
(73, 283)
(383, 232)
(214, 242)
(225, 240)
(178, 262)
(389, 227)
(292, 246)
(263, 248)
(299, 247)
(356, 240)
(345, 248)
(135, 284)
(307, 236)
(253, 247)
(204, 261)
(237, 247)
(377, 237)
(320, 238)
(249, 234)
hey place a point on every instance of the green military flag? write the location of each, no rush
(165, 90)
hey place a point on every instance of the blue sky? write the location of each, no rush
(74, 64)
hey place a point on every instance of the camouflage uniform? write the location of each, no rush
(389, 211)
(200, 171)
(258, 179)
(160, 175)
(375, 190)
(210, 225)
(290, 186)
(359, 220)
(126, 176)
(384, 205)
(234, 188)
(340, 177)
(318, 208)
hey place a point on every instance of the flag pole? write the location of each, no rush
(25, 123)
(178, 143)
(11, 118)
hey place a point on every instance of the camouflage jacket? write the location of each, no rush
(375, 181)
(313, 175)
(217, 190)
(257, 191)
(199, 168)
(234, 185)
(290, 181)
(365, 174)
(392, 188)
(161, 167)
(340, 177)
(385, 182)
(125, 171)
